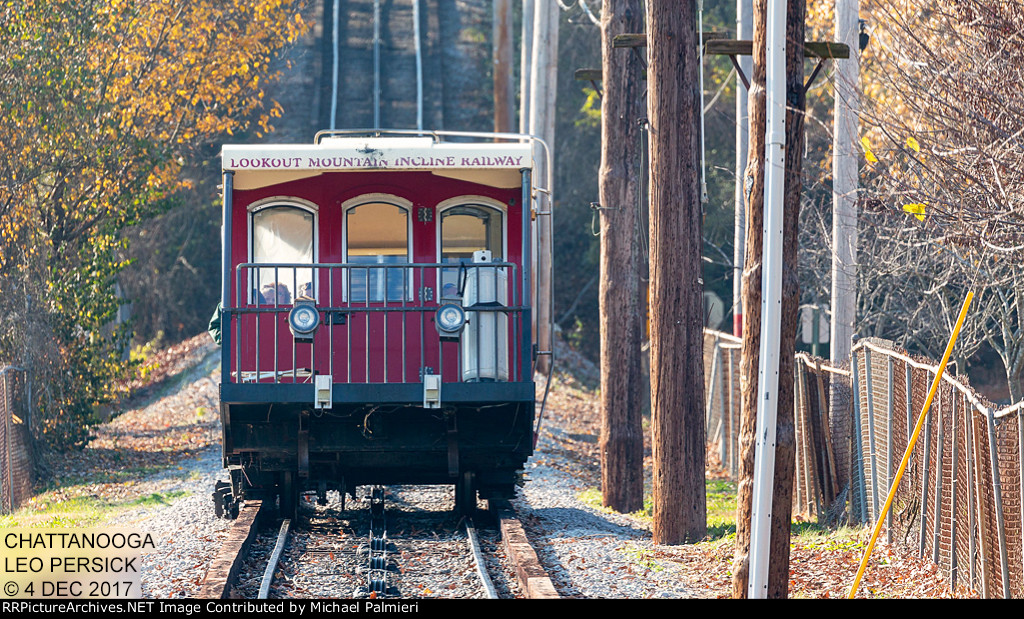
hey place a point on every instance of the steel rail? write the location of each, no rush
(478, 559)
(275, 557)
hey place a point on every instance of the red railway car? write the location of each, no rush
(376, 321)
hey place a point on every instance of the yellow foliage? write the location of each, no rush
(917, 210)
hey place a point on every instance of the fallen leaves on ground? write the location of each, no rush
(147, 433)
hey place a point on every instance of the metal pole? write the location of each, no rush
(771, 301)
(924, 486)
(376, 67)
(971, 499)
(939, 448)
(732, 426)
(888, 445)
(721, 403)
(709, 404)
(857, 499)
(953, 487)
(225, 282)
(419, 62)
(997, 486)
(334, 80)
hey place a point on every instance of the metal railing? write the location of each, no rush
(377, 323)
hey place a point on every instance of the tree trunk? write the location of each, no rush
(504, 91)
(677, 373)
(785, 447)
(622, 439)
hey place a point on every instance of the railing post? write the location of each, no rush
(527, 319)
(997, 487)
(225, 291)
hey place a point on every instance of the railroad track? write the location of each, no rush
(426, 553)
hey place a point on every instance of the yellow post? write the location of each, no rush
(913, 441)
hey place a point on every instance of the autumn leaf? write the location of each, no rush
(917, 210)
(870, 156)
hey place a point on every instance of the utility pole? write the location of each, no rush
(504, 91)
(677, 339)
(845, 163)
(622, 439)
(744, 32)
(771, 298)
(543, 91)
(525, 66)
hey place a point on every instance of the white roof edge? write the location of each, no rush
(378, 153)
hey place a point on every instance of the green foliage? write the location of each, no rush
(590, 113)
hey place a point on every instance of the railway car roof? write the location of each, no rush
(490, 163)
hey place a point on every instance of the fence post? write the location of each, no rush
(799, 465)
(1020, 484)
(815, 475)
(939, 446)
(953, 487)
(979, 503)
(832, 491)
(709, 404)
(910, 401)
(722, 421)
(997, 487)
(924, 480)
(888, 448)
(869, 390)
(857, 470)
(971, 495)
(733, 425)
(7, 482)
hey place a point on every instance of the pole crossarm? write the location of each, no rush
(715, 44)
(812, 49)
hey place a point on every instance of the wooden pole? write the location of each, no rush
(845, 163)
(504, 91)
(776, 583)
(543, 90)
(525, 64)
(744, 31)
(677, 373)
(622, 441)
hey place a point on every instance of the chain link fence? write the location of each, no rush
(959, 503)
(16, 468)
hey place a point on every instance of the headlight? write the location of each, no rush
(303, 321)
(449, 320)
